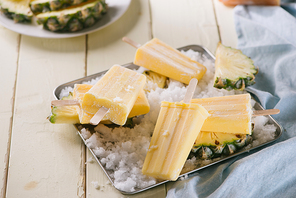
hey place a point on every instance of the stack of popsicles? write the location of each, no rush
(120, 92)
(177, 128)
(140, 107)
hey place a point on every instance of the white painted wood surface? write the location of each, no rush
(48, 160)
(186, 22)
(225, 21)
(8, 68)
(44, 158)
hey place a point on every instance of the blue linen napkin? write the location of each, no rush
(268, 36)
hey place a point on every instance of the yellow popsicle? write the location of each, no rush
(228, 114)
(140, 107)
(117, 91)
(176, 129)
(163, 59)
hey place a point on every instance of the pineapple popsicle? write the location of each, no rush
(176, 129)
(178, 125)
(116, 91)
(163, 59)
(228, 114)
(140, 107)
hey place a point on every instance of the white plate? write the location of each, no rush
(116, 8)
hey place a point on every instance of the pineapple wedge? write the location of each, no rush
(18, 10)
(233, 69)
(73, 18)
(155, 78)
(64, 114)
(209, 144)
(38, 6)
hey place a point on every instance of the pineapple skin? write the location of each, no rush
(19, 11)
(224, 145)
(74, 22)
(239, 83)
(17, 18)
(52, 5)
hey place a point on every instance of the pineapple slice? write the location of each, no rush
(209, 144)
(38, 6)
(18, 10)
(64, 114)
(233, 69)
(73, 18)
(155, 79)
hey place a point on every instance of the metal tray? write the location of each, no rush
(210, 56)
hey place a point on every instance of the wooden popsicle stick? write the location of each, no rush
(99, 116)
(58, 103)
(266, 112)
(131, 42)
(190, 90)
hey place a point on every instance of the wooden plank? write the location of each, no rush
(105, 49)
(180, 23)
(225, 20)
(45, 159)
(8, 68)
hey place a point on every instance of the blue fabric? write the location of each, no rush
(268, 36)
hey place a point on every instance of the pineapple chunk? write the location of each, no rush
(209, 144)
(233, 69)
(18, 10)
(64, 114)
(154, 78)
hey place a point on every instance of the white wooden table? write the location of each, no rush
(40, 159)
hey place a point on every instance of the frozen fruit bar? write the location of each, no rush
(140, 107)
(228, 114)
(117, 91)
(78, 93)
(176, 129)
(163, 59)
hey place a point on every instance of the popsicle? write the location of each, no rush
(176, 129)
(228, 114)
(117, 92)
(78, 94)
(159, 57)
(140, 107)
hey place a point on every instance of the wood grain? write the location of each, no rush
(45, 158)
(225, 20)
(180, 23)
(8, 68)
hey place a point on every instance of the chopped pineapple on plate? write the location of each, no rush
(38, 6)
(74, 18)
(18, 10)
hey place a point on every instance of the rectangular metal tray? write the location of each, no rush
(210, 56)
